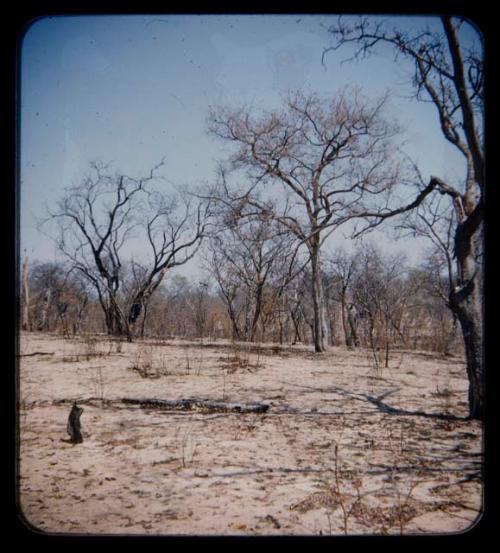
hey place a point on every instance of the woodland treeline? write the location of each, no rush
(294, 177)
(373, 300)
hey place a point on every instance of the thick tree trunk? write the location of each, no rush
(472, 330)
(467, 305)
(115, 323)
(467, 302)
(320, 332)
(353, 339)
(235, 328)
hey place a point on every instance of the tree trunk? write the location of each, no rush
(467, 305)
(257, 312)
(344, 321)
(296, 327)
(79, 315)
(451, 338)
(44, 315)
(373, 343)
(143, 324)
(319, 326)
(466, 302)
(353, 339)
(26, 298)
(471, 328)
(331, 330)
(115, 323)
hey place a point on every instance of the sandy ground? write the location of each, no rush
(343, 448)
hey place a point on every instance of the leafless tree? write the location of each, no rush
(199, 304)
(97, 220)
(46, 282)
(448, 72)
(58, 297)
(382, 294)
(173, 306)
(295, 294)
(341, 269)
(175, 227)
(435, 220)
(73, 301)
(311, 167)
(251, 261)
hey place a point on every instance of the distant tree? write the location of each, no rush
(381, 292)
(435, 220)
(198, 302)
(251, 260)
(58, 297)
(73, 302)
(46, 282)
(449, 73)
(341, 268)
(298, 302)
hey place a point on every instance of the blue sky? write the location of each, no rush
(133, 89)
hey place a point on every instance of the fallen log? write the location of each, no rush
(197, 404)
(35, 353)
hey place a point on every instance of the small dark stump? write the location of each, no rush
(74, 427)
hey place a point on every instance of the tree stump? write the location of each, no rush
(74, 427)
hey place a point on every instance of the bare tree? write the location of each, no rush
(72, 301)
(381, 293)
(295, 296)
(311, 167)
(229, 288)
(175, 227)
(435, 220)
(58, 298)
(97, 221)
(342, 268)
(175, 308)
(199, 303)
(448, 72)
(46, 282)
(246, 259)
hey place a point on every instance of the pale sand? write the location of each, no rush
(145, 471)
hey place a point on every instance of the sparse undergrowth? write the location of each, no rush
(340, 451)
